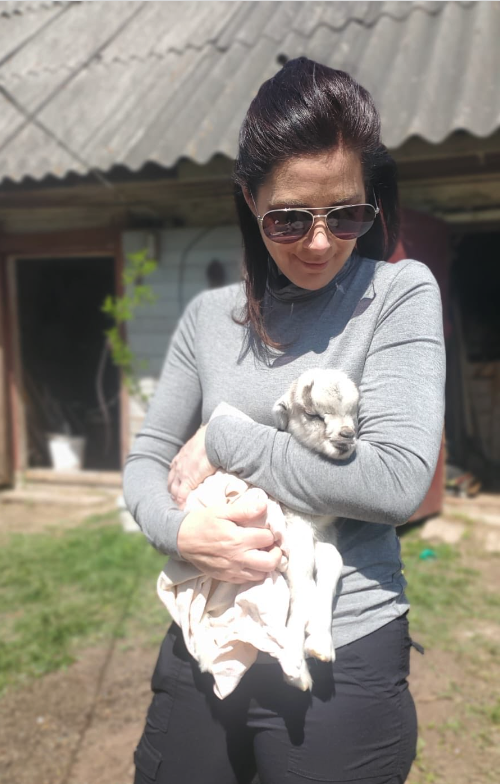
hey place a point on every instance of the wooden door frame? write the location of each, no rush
(94, 242)
(6, 461)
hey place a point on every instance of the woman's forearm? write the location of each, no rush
(150, 503)
(172, 418)
(380, 484)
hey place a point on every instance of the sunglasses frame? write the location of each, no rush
(324, 215)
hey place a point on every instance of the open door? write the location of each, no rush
(70, 387)
(59, 381)
(426, 239)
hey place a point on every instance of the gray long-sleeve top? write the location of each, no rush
(382, 324)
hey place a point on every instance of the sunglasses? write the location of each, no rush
(291, 224)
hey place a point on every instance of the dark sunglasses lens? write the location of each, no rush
(349, 223)
(286, 225)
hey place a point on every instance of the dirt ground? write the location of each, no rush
(36, 516)
(70, 727)
(76, 725)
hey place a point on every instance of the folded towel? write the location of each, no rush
(225, 625)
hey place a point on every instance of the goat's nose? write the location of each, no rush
(346, 432)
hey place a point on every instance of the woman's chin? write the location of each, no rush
(312, 276)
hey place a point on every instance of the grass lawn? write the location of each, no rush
(455, 614)
(66, 589)
(443, 591)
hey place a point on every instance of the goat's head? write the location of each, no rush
(320, 410)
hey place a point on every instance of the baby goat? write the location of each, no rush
(319, 410)
(224, 625)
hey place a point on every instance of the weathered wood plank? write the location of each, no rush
(5, 425)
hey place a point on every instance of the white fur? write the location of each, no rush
(320, 411)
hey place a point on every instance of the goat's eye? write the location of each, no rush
(313, 416)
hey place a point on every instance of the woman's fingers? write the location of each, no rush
(181, 492)
(189, 467)
(243, 576)
(173, 478)
(221, 549)
(256, 538)
(246, 513)
(263, 560)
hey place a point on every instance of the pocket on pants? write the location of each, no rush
(160, 710)
(147, 759)
(148, 755)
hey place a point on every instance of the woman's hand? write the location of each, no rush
(189, 468)
(226, 543)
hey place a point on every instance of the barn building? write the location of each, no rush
(118, 126)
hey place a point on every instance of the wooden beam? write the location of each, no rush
(16, 391)
(98, 241)
(443, 196)
(458, 145)
(120, 196)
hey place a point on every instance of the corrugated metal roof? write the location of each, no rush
(88, 85)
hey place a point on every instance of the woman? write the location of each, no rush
(316, 196)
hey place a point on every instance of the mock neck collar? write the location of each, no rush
(282, 289)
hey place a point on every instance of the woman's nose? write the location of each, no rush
(318, 237)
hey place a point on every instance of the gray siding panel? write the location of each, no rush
(150, 332)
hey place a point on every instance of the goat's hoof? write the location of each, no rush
(319, 645)
(303, 682)
(298, 675)
(205, 662)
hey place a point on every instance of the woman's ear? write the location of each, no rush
(249, 200)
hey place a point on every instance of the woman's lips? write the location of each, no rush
(319, 265)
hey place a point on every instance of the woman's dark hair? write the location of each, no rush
(305, 109)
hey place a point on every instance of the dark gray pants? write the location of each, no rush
(358, 724)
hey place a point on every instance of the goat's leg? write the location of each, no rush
(319, 642)
(299, 575)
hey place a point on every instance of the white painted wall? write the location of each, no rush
(183, 257)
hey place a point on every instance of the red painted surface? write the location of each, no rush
(426, 239)
(433, 501)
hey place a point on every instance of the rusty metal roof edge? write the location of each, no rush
(167, 167)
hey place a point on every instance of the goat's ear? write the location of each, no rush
(307, 400)
(281, 412)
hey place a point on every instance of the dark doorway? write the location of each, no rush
(69, 383)
(473, 385)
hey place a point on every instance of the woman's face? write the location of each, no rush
(321, 180)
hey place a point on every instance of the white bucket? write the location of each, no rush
(66, 452)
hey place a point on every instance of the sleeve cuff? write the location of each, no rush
(177, 517)
(165, 539)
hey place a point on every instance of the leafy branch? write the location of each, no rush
(122, 309)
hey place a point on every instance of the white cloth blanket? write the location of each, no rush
(225, 625)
